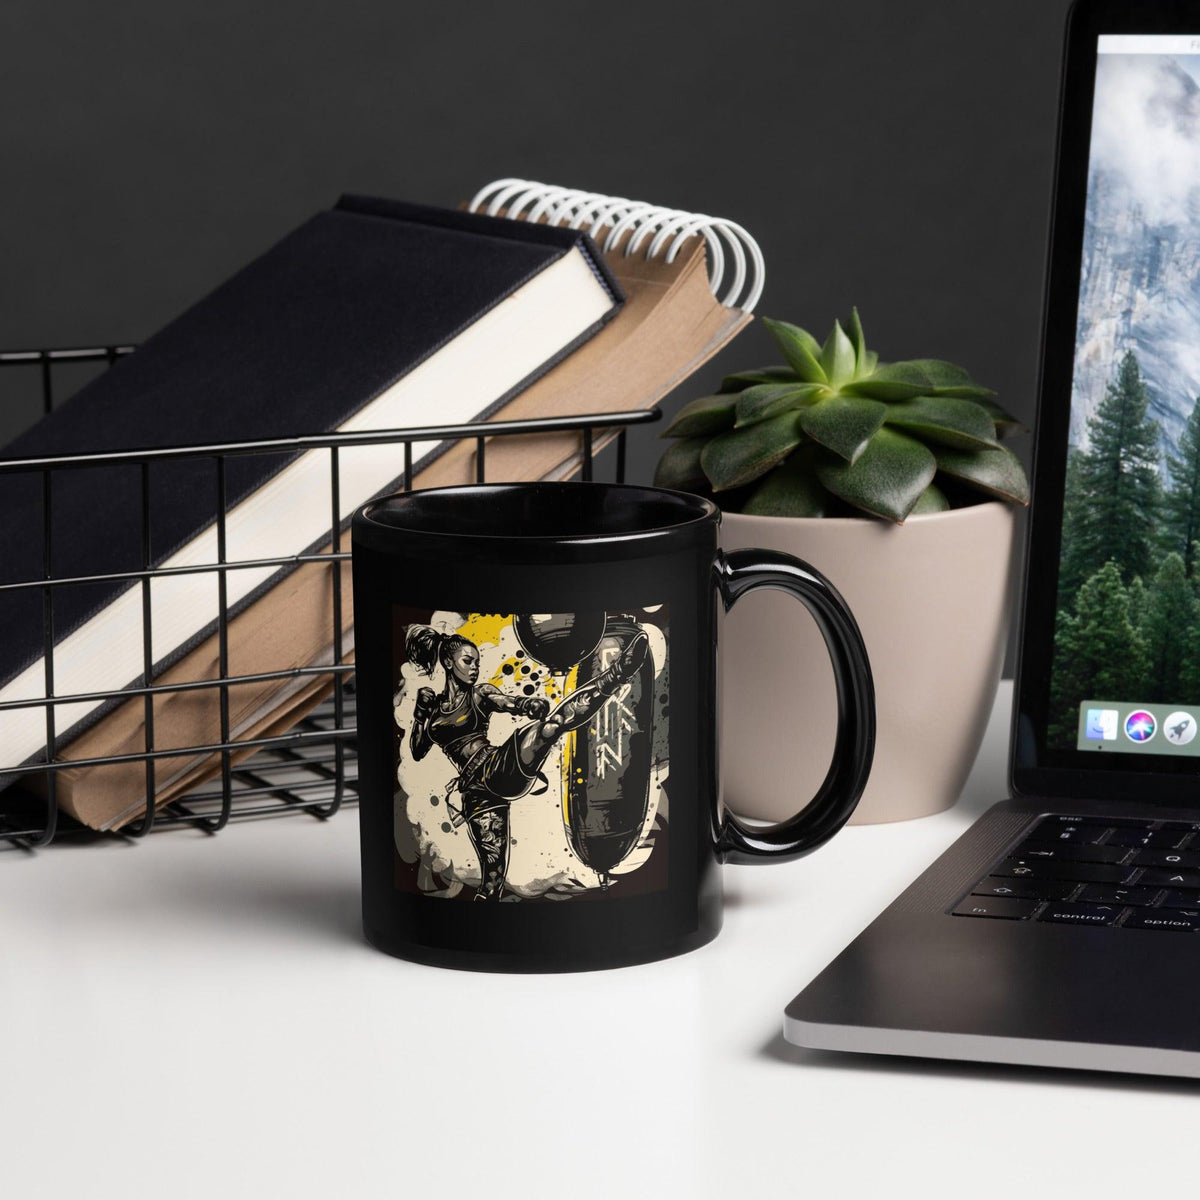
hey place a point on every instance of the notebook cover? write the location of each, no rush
(294, 343)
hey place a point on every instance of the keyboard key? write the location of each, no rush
(1095, 854)
(1020, 868)
(1036, 868)
(1177, 899)
(1166, 877)
(1081, 914)
(1101, 822)
(1067, 834)
(1157, 839)
(1099, 893)
(986, 906)
(1182, 859)
(1027, 889)
(1157, 918)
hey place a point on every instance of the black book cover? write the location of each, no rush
(294, 343)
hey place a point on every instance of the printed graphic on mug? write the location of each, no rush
(531, 753)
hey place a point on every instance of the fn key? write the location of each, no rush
(999, 906)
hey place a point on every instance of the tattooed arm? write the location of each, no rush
(492, 699)
(419, 740)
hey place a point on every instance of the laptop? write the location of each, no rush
(1063, 928)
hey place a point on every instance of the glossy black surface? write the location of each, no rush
(744, 571)
(573, 548)
(535, 511)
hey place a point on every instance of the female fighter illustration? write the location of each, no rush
(491, 776)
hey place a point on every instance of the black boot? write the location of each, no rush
(626, 667)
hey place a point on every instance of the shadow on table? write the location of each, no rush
(739, 897)
(73, 839)
(779, 1050)
(321, 908)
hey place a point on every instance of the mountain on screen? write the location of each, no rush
(1140, 286)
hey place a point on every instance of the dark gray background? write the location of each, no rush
(894, 154)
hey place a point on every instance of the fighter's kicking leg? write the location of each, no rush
(489, 833)
(535, 740)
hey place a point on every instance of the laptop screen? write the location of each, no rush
(1125, 668)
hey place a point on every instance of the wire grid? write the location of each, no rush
(310, 769)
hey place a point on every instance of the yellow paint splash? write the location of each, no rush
(484, 629)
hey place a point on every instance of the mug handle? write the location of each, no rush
(743, 571)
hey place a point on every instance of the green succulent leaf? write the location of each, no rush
(1004, 421)
(790, 490)
(941, 373)
(948, 379)
(947, 420)
(767, 400)
(859, 341)
(835, 427)
(744, 379)
(891, 382)
(887, 479)
(680, 468)
(838, 356)
(800, 348)
(975, 391)
(741, 456)
(932, 500)
(704, 415)
(997, 471)
(843, 424)
(794, 332)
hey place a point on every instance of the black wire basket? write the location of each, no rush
(312, 767)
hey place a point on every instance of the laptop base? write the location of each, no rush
(920, 981)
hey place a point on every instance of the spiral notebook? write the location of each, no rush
(690, 283)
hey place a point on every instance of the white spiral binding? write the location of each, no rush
(670, 228)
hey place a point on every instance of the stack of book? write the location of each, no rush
(372, 315)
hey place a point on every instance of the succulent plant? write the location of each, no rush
(835, 432)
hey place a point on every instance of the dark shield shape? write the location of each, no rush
(559, 640)
(608, 786)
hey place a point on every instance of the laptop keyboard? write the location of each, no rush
(1093, 871)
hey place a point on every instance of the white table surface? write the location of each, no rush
(190, 1017)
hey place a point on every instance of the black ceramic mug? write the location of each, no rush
(537, 723)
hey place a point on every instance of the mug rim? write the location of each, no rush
(694, 511)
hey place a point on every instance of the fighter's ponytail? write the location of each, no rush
(427, 646)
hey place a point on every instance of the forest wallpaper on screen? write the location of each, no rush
(1128, 621)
